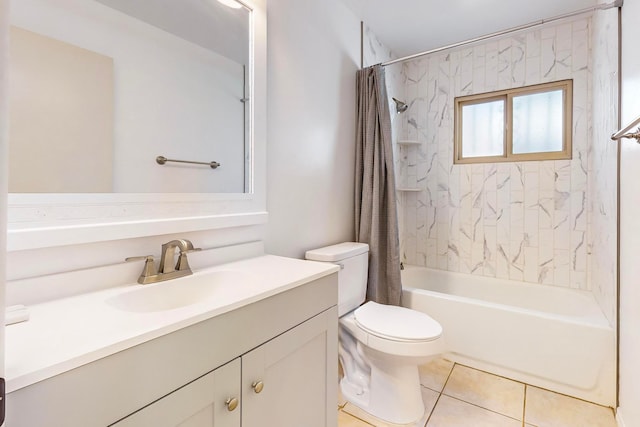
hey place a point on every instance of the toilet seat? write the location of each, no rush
(396, 323)
(392, 347)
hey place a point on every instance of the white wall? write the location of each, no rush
(629, 410)
(313, 56)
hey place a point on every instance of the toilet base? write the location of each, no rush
(393, 394)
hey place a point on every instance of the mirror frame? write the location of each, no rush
(49, 220)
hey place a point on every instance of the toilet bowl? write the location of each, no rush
(380, 346)
(391, 343)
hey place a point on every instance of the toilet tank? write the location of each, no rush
(353, 259)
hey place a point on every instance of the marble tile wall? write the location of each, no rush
(603, 164)
(525, 221)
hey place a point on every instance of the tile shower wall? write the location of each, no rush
(521, 221)
(603, 164)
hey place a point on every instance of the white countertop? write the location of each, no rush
(67, 333)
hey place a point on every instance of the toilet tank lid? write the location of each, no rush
(337, 252)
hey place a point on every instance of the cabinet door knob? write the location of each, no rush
(257, 386)
(232, 403)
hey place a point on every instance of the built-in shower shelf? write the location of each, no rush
(408, 142)
(408, 189)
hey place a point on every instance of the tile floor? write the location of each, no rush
(459, 396)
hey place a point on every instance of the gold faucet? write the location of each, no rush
(167, 270)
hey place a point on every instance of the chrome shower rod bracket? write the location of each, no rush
(625, 132)
(635, 135)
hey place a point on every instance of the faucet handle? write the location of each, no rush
(188, 251)
(146, 258)
(183, 262)
(149, 268)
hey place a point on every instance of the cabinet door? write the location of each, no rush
(291, 381)
(201, 403)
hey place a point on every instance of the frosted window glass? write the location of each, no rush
(483, 129)
(537, 122)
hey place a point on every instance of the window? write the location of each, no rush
(526, 123)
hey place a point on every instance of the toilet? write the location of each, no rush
(380, 346)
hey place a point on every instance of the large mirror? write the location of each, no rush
(106, 94)
(185, 80)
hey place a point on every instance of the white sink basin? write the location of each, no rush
(182, 292)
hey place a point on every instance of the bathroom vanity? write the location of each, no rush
(255, 346)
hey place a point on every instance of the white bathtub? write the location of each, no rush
(547, 336)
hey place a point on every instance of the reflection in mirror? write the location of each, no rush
(62, 117)
(99, 89)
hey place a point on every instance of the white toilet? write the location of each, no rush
(381, 346)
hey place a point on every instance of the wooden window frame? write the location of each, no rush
(507, 96)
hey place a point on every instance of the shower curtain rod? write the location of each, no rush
(604, 6)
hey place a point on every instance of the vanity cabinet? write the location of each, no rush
(209, 401)
(284, 381)
(283, 384)
(277, 356)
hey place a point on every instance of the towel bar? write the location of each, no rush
(161, 160)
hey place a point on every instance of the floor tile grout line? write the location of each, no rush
(491, 373)
(475, 404)
(569, 396)
(358, 418)
(439, 395)
(448, 377)
(531, 385)
(429, 388)
(481, 407)
(426, 424)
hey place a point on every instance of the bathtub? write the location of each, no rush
(546, 336)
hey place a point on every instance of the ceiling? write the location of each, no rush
(413, 26)
(207, 23)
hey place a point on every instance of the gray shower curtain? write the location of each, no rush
(376, 215)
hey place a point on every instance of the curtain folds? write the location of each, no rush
(376, 218)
